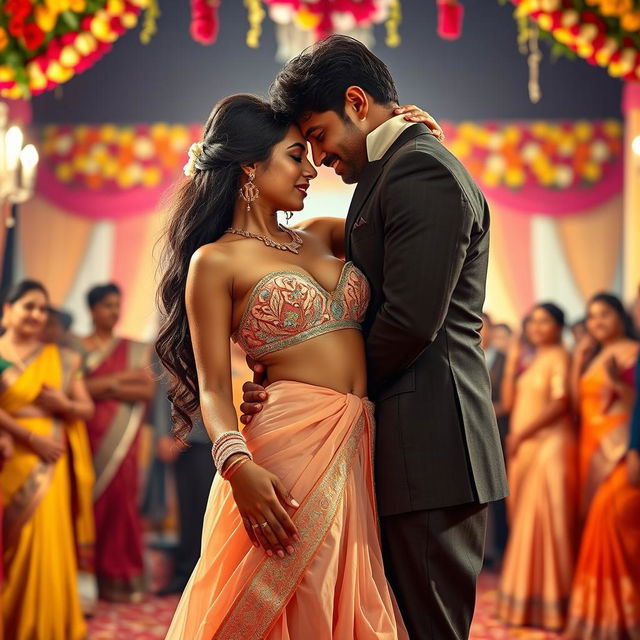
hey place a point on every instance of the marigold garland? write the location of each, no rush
(551, 155)
(256, 15)
(44, 43)
(603, 32)
(562, 155)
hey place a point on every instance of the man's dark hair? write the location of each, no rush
(100, 292)
(316, 80)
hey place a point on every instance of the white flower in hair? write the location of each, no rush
(195, 151)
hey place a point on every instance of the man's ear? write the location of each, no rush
(356, 102)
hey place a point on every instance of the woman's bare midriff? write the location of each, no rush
(334, 360)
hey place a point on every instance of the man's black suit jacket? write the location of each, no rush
(418, 227)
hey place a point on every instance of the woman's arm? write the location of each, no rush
(508, 390)
(583, 353)
(48, 449)
(259, 495)
(134, 385)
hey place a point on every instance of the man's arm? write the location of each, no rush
(427, 230)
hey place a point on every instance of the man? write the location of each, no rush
(194, 472)
(418, 229)
(501, 337)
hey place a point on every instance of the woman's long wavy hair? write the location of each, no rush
(241, 130)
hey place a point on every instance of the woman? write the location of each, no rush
(300, 486)
(42, 398)
(605, 600)
(538, 564)
(120, 383)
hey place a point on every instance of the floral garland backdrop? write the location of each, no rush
(552, 155)
(44, 43)
(602, 32)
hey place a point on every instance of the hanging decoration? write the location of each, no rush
(393, 23)
(450, 15)
(256, 16)
(300, 23)
(602, 32)
(204, 20)
(150, 25)
(556, 156)
(45, 43)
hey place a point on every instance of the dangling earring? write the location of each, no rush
(288, 215)
(249, 192)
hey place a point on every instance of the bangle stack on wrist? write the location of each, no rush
(228, 444)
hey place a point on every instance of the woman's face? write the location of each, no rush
(27, 315)
(106, 313)
(283, 180)
(542, 329)
(603, 323)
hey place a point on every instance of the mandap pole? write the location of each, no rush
(631, 233)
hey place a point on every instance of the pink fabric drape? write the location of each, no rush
(511, 249)
(53, 245)
(592, 242)
(137, 269)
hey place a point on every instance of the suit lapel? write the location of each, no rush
(370, 176)
(368, 179)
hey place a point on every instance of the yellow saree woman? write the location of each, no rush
(40, 598)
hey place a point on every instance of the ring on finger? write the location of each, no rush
(263, 524)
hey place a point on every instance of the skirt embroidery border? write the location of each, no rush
(261, 602)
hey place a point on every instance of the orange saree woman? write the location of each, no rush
(605, 599)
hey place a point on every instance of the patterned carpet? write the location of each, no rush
(149, 620)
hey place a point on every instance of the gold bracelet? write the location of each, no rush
(235, 463)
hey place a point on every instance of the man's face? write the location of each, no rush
(336, 142)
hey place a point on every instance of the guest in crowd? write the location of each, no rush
(578, 331)
(193, 469)
(539, 559)
(57, 330)
(42, 397)
(120, 382)
(605, 599)
(497, 529)
(501, 337)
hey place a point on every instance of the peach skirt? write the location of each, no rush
(319, 443)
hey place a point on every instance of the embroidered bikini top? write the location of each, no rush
(288, 307)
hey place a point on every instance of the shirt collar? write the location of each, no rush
(382, 137)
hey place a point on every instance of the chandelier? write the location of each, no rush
(18, 165)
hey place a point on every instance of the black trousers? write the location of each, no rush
(432, 561)
(194, 473)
